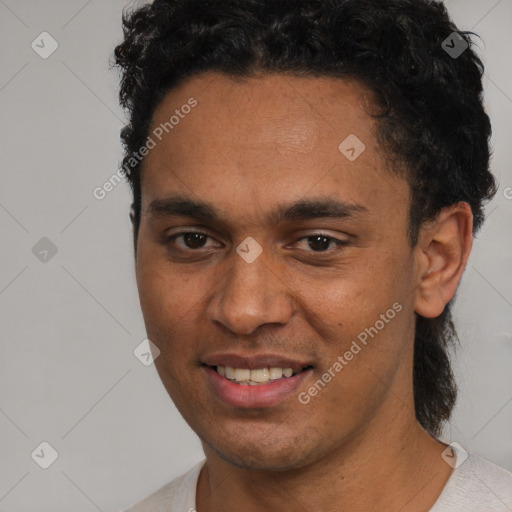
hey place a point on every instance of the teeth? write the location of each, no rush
(242, 374)
(230, 373)
(275, 373)
(245, 376)
(260, 375)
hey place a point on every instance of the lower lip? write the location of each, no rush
(262, 395)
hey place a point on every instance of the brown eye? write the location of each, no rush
(194, 240)
(191, 240)
(320, 243)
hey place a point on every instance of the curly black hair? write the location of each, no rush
(433, 129)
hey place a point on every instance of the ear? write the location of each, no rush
(132, 219)
(442, 252)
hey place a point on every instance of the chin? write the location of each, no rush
(256, 461)
(265, 453)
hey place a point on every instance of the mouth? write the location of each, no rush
(259, 382)
(256, 376)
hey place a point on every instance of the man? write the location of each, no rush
(307, 179)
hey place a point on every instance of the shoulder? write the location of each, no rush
(180, 494)
(477, 485)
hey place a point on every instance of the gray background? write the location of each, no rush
(68, 374)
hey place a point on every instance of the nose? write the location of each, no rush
(250, 295)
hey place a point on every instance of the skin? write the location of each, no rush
(247, 147)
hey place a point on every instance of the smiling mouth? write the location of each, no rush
(257, 376)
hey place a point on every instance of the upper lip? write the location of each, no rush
(255, 361)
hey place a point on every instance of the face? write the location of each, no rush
(262, 244)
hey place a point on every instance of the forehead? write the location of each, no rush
(269, 109)
(257, 140)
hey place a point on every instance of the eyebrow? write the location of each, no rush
(312, 208)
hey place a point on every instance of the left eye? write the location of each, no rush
(320, 243)
(317, 242)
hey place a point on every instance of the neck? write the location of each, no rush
(392, 465)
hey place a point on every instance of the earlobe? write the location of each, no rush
(443, 250)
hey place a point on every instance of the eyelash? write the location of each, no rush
(340, 244)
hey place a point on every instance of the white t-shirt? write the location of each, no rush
(476, 485)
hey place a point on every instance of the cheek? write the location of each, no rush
(166, 299)
(364, 340)
(353, 295)
(168, 307)
(164, 291)
(362, 315)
